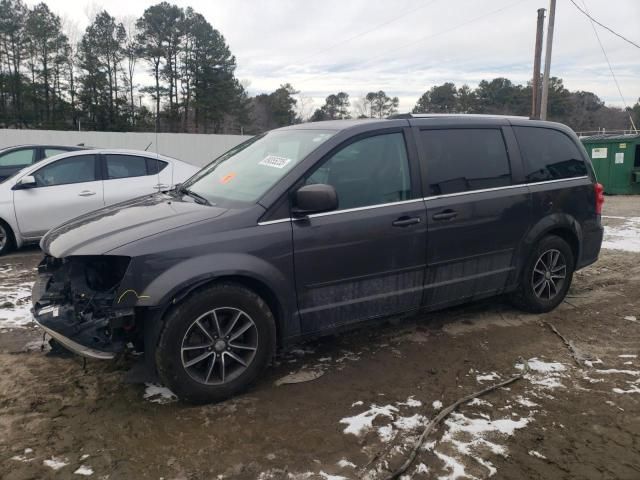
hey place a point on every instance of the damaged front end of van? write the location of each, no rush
(78, 301)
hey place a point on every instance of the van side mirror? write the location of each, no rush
(28, 181)
(314, 199)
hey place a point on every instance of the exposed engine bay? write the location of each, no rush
(76, 301)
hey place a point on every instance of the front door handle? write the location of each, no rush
(86, 193)
(446, 215)
(406, 221)
(161, 186)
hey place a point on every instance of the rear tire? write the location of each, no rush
(7, 242)
(546, 277)
(215, 343)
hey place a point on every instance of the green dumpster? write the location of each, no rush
(616, 160)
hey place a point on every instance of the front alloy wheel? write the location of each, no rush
(219, 346)
(215, 343)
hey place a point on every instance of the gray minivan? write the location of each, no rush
(315, 227)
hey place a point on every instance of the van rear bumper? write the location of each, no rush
(591, 244)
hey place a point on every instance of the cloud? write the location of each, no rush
(324, 46)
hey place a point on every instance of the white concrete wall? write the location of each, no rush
(197, 149)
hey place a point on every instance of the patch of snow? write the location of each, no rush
(615, 370)
(628, 356)
(628, 363)
(525, 402)
(437, 405)
(362, 422)
(471, 436)
(158, 394)
(23, 457)
(17, 313)
(55, 463)
(591, 363)
(411, 402)
(479, 402)
(539, 366)
(624, 237)
(357, 404)
(631, 318)
(85, 456)
(385, 433)
(410, 423)
(84, 470)
(458, 422)
(631, 390)
(533, 453)
(301, 376)
(456, 469)
(549, 382)
(344, 463)
(488, 377)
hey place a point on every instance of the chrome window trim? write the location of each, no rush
(423, 199)
(366, 207)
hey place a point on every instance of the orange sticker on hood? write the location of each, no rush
(228, 177)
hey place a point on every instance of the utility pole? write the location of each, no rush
(535, 85)
(547, 61)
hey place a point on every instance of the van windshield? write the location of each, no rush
(246, 172)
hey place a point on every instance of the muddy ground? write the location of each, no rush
(377, 389)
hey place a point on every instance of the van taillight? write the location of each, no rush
(599, 189)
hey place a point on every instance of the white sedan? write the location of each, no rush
(68, 185)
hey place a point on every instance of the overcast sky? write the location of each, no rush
(405, 46)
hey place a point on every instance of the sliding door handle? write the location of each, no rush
(446, 215)
(406, 221)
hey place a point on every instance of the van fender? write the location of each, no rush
(552, 222)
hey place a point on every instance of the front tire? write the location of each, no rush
(215, 343)
(546, 277)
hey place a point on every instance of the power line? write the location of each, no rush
(361, 34)
(626, 108)
(593, 20)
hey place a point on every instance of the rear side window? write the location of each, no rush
(549, 154)
(17, 158)
(371, 171)
(125, 166)
(465, 159)
(155, 166)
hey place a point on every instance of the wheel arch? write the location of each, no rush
(559, 224)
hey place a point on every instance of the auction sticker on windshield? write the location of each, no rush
(274, 161)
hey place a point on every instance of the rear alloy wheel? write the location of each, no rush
(6, 238)
(215, 343)
(547, 276)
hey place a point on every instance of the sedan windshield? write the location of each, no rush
(246, 172)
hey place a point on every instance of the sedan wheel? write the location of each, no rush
(6, 240)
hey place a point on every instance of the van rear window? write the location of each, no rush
(465, 159)
(549, 154)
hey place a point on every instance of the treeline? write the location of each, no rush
(581, 110)
(51, 79)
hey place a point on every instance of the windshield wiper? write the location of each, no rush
(198, 198)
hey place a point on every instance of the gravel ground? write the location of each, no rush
(373, 391)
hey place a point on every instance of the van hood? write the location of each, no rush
(98, 232)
